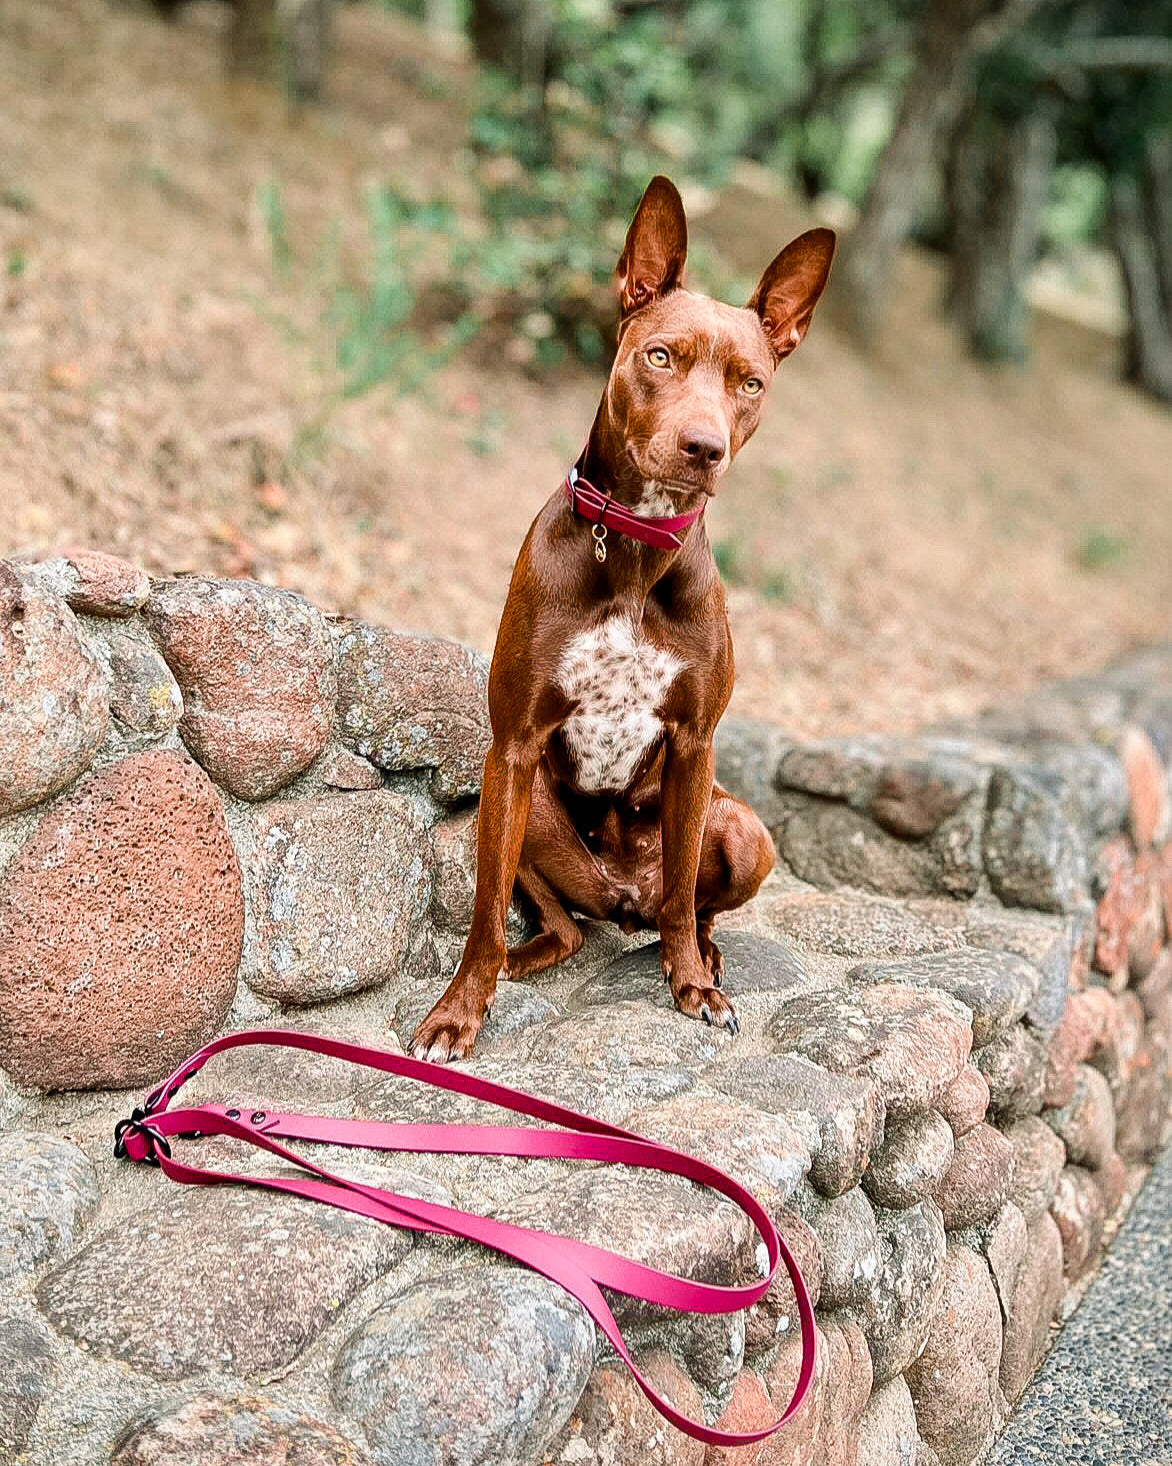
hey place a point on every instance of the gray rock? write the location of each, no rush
(239, 1281)
(857, 926)
(996, 987)
(1086, 1125)
(748, 754)
(27, 1375)
(887, 1427)
(414, 703)
(622, 1038)
(476, 1366)
(255, 666)
(896, 1312)
(1038, 1158)
(90, 581)
(979, 1179)
(144, 697)
(832, 845)
(1050, 943)
(752, 964)
(1033, 854)
(912, 1042)
(912, 1161)
(836, 768)
(338, 890)
(659, 1220)
(54, 695)
(453, 887)
(516, 1008)
(839, 1117)
(208, 1430)
(48, 1191)
(1014, 1066)
(762, 1150)
(845, 1228)
(954, 1382)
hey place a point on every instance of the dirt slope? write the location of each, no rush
(908, 537)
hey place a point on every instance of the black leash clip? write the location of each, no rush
(155, 1141)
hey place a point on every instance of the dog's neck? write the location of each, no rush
(606, 463)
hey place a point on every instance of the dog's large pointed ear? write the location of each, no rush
(653, 258)
(791, 287)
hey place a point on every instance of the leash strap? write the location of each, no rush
(578, 1267)
(600, 509)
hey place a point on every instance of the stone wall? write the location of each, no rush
(221, 808)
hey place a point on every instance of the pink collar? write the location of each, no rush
(605, 513)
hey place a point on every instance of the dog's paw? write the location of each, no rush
(700, 1000)
(446, 1033)
(713, 958)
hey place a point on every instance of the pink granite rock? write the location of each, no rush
(1080, 1212)
(1147, 787)
(54, 696)
(121, 924)
(964, 1103)
(1034, 1305)
(255, 666)
(978, 1180)
(614, 1421)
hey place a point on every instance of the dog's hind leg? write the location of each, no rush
(736, 856)
(559, 936)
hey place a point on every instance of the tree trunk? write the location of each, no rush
(954, 35)
(515, 36)
(251, 39)
(306, 40)
(1149, 347)
(999, 180)
(1158, 207)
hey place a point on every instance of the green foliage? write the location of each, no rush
(370, 313)
(1100, 549)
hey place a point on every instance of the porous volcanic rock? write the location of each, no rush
(121, 925)
(54, 695)
(339, 888)
(239, 1280)
(912, 1042)
(239, 1430)
(480, 1365)
(412, 703)
(255, 665)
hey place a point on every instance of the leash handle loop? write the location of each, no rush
(581, 1268)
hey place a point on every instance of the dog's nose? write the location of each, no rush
(702, 447)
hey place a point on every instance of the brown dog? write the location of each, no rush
(613, 661)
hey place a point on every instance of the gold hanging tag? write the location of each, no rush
(599, 533)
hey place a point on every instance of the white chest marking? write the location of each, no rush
(619, 683)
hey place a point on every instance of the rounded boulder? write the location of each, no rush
(121, 924)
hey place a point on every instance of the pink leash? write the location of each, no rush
(581, 1269)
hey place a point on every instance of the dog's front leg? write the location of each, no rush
(450, 1029)
(686, 790)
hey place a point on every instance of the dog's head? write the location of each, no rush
(691, 374)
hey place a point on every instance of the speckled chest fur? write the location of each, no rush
(619, 681)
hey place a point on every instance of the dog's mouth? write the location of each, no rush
(677, 485)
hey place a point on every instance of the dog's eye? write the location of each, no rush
(659, 357)
(753, 386)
